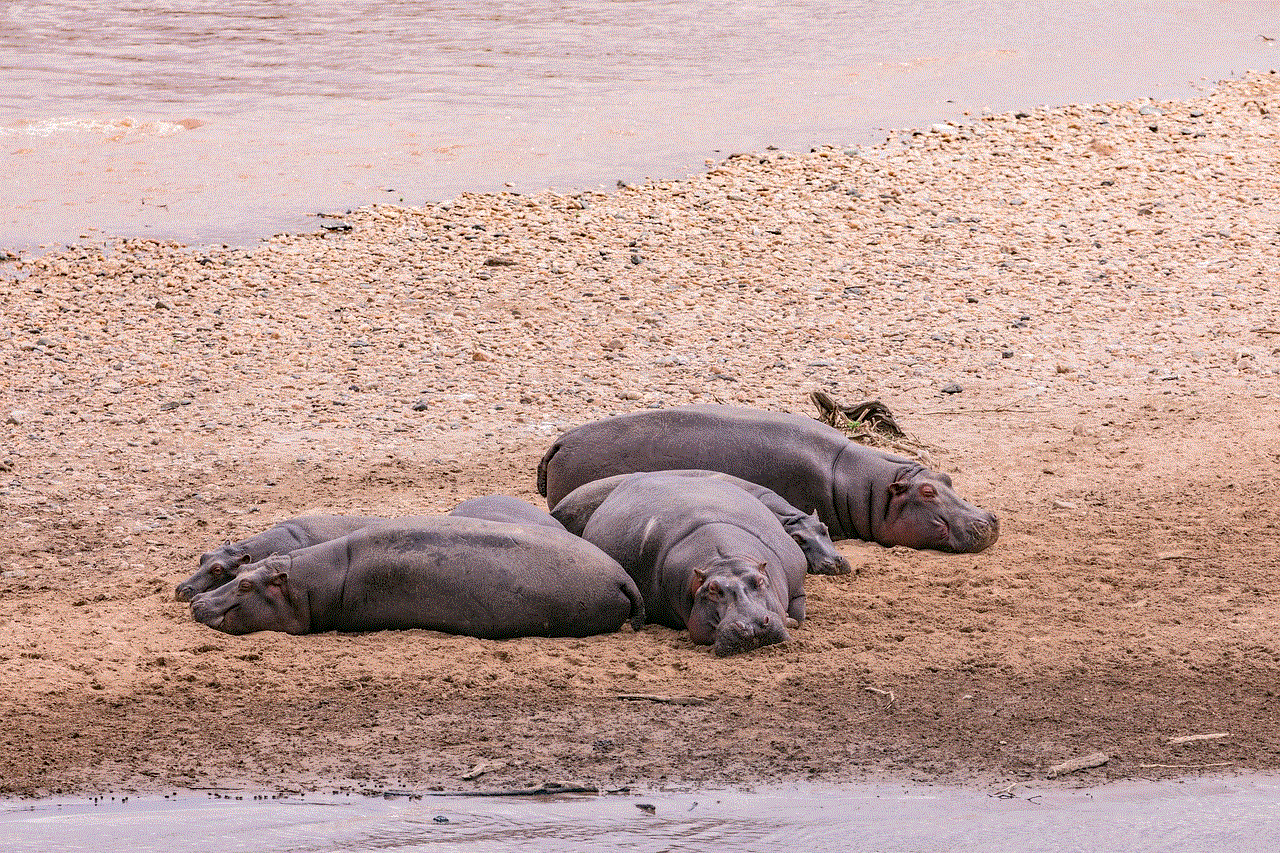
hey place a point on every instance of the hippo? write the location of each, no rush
(219, 566)
(574, 510)
(505, 508)
(707, 556)
(858, 492)
(454, 574)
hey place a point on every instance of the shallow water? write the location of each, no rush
(1240, 814)
(228, 121)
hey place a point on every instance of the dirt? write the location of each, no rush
(1075, 309)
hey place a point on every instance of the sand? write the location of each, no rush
(1074, 309)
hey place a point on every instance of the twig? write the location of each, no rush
(1263, 330)
(879, 692)
(1188, 766)
(981, 411)
(668, 700)
(1194, 738)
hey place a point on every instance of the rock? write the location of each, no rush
(421, 405)
(951, 388)
(18, 417)
(1150, 110)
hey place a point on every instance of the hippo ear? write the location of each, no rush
(245, 559)
(280, 579)
(700, 573)
(898, 487)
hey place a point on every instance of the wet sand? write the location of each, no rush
(1098, 282)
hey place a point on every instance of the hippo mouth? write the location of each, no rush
(207, 614)
(739, 636)
(183, 593)
(977, 536)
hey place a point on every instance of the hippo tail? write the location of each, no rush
(542, 467)
(637, 604)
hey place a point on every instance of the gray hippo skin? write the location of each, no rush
(505, 508)
(706, 556)
(574, 510)
(444, 573)
(858, 492)
(219, 566)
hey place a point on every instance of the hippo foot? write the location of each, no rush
(830, 566)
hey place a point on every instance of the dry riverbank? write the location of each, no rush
(1098, 281)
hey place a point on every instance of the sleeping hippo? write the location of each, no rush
(445, 573)
(574, 510)
(858, 492)
(505, 508)
(706, 556)
(218, 567)
(221, 565)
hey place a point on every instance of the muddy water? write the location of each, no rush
(1240, 814)
(228, 121)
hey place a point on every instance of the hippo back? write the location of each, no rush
(506, 509)
(742, 442)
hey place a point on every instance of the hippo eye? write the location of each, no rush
(760, 581)
(713, 590)
(246, 586)
(928, 491)
(217, 571)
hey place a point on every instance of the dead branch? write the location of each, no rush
(1084, 762)
(1195, 738)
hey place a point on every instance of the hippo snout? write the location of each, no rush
(983, 533)
(205, 612)
(184, 592)
(742, 635)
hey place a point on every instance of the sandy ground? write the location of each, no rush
(1099, 281)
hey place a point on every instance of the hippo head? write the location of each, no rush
(814, 539)
(258, 600)
(734, 608)
(216, 568)
(924, 511)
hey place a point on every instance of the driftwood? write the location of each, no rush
(869, 423)
(1084, 762)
